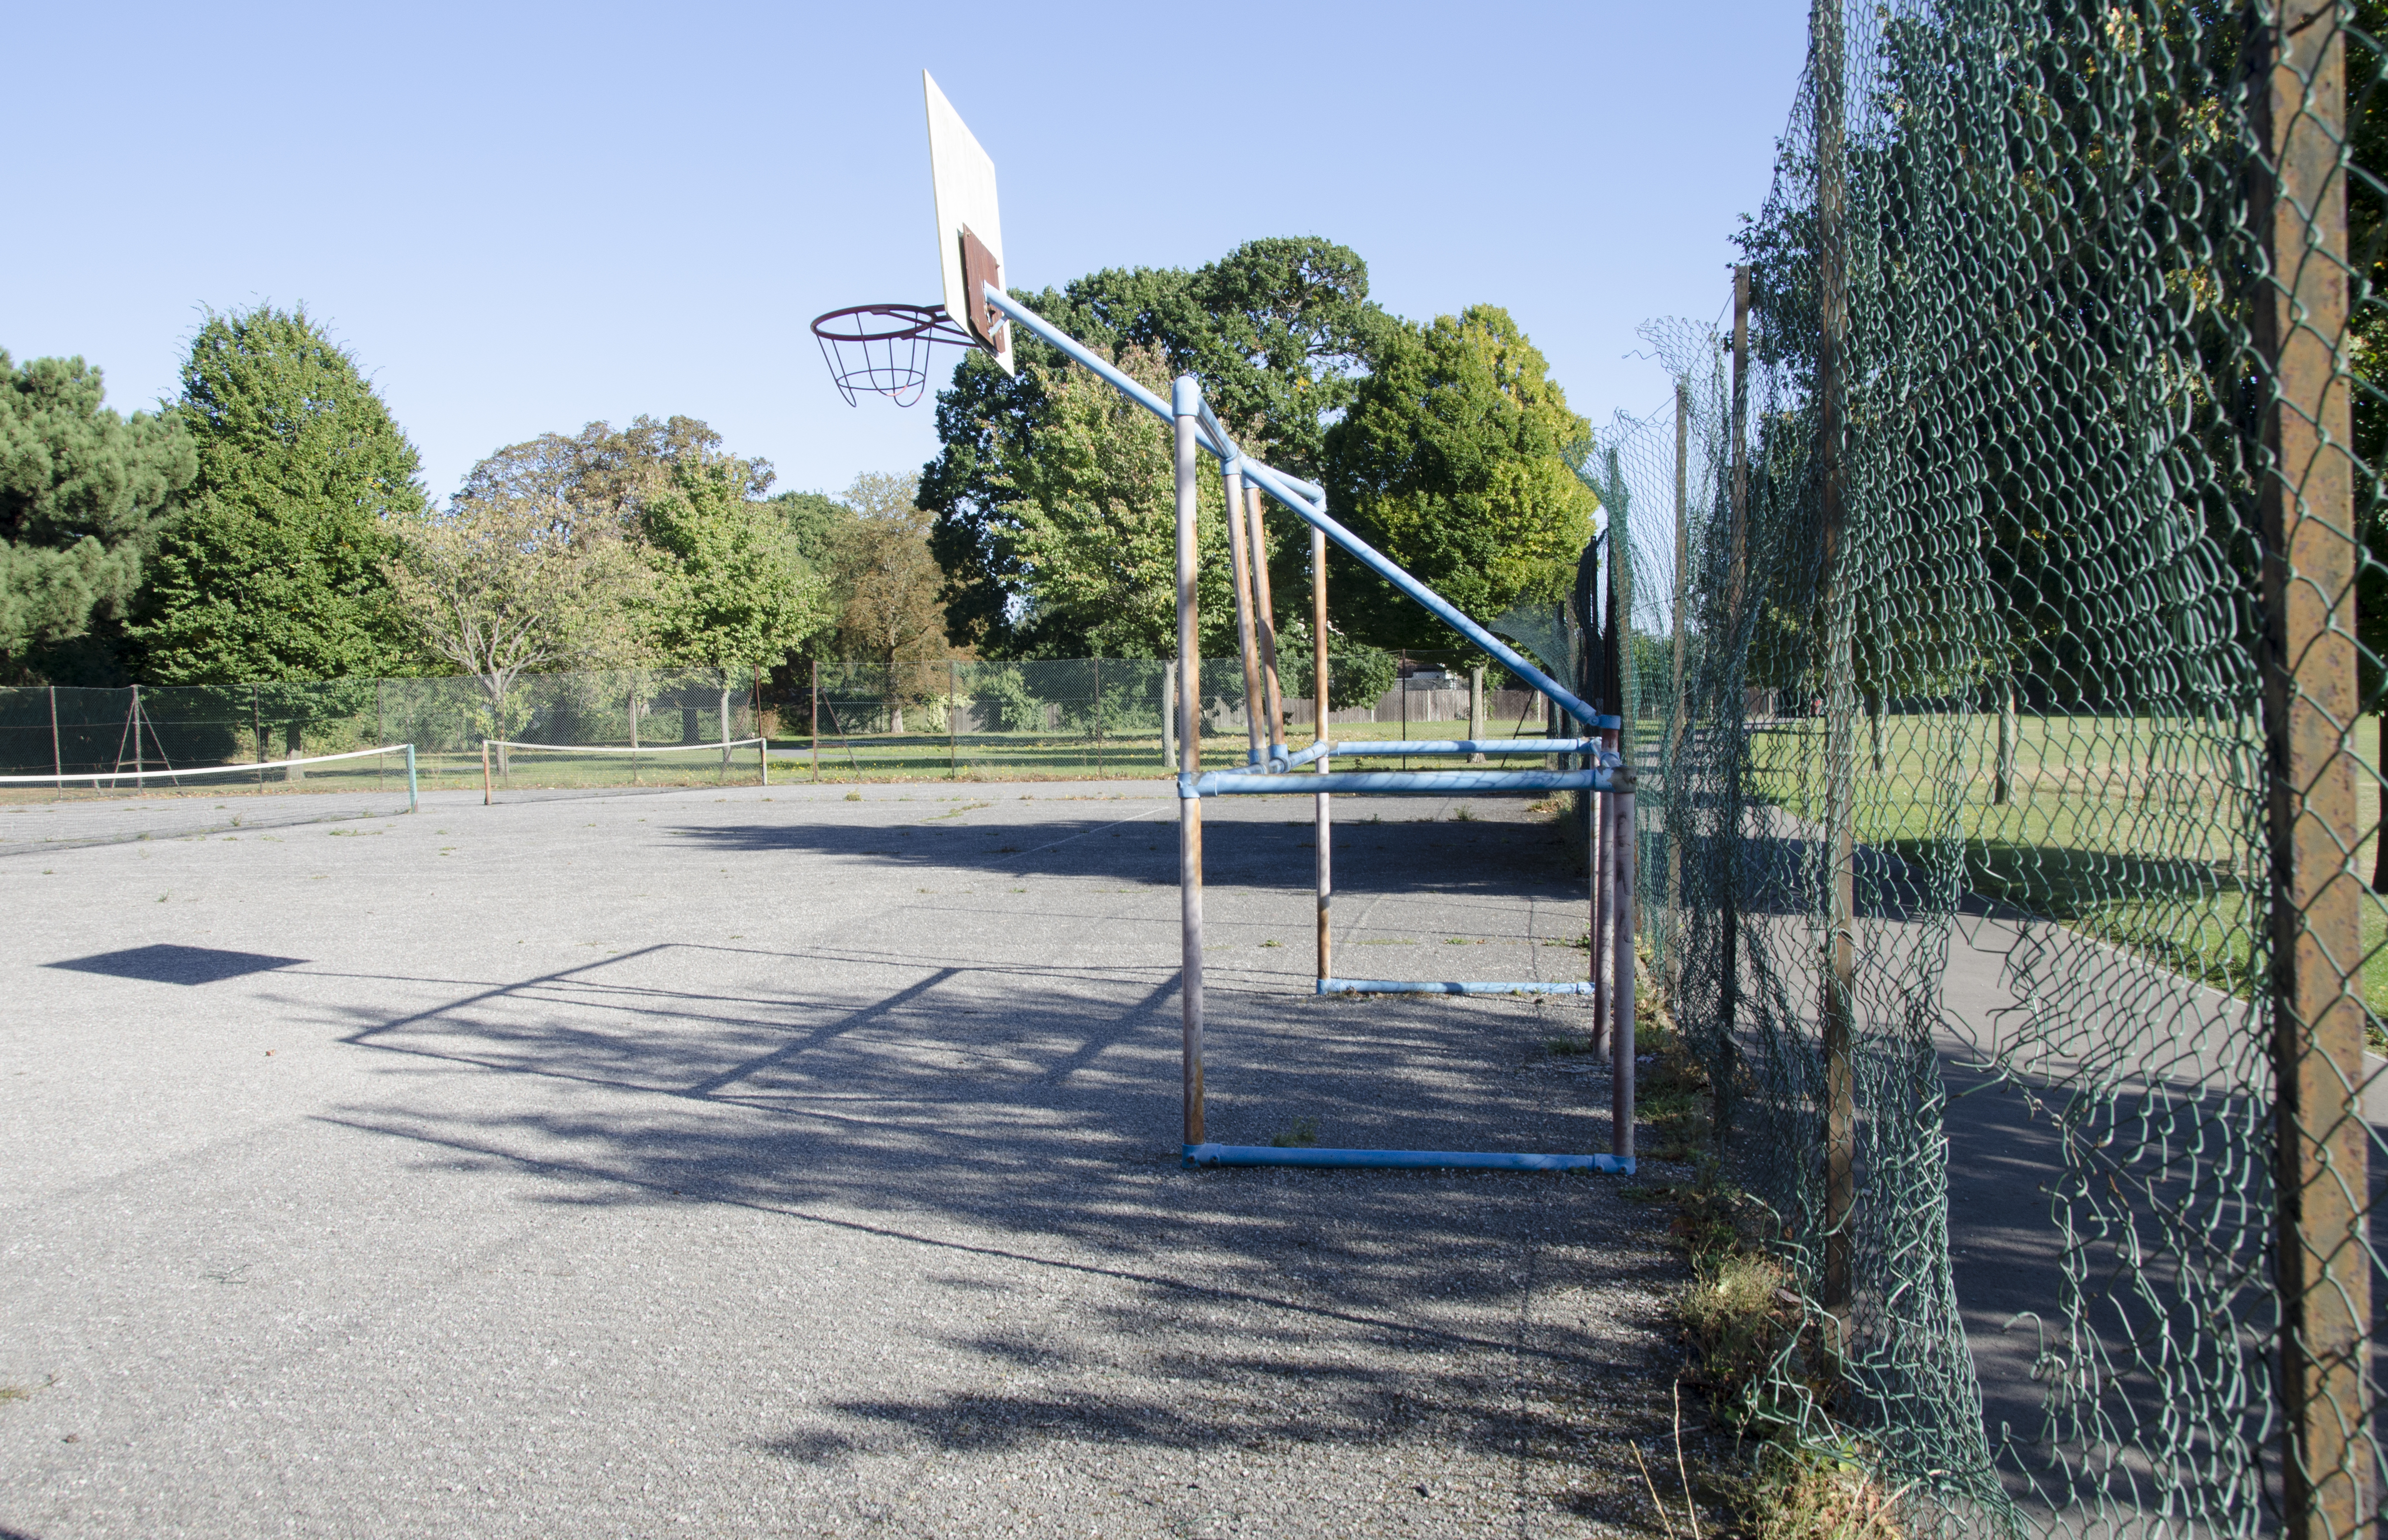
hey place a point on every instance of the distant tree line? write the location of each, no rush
(271, 524)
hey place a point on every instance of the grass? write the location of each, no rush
(1303, 1134)
(2133, 830)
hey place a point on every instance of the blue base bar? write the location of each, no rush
(1400, 1160)
(1248, 782)
(1392, 986)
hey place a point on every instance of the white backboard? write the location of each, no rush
(964, 180)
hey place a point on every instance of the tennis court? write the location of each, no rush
(804, 1160)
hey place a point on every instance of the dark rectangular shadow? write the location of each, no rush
(176, 964)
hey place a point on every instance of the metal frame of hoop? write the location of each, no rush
(884, 350)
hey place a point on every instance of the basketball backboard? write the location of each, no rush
(964, 180)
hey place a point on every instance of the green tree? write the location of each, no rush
(1091, 492)
(1457, 460)
(732, 587)
(82, 491)
(1279, 331)
(275, 566)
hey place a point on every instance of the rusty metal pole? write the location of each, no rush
(2311, 707)
(1265, 623)
(1737, 562)
(1326, 827)
(1839, 1003)
(1620, 846)
(1240, 569)
(485, 771)
(1675, 727)
(1187, 405)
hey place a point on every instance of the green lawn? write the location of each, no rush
(2144, 833)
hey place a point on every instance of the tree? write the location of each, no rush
(1278, 330)
(513, 576)
(275, 568)
(890, 583)
(1457, 460)
(606, 474)
(1092, 489)
(82, 491)
(732, 589)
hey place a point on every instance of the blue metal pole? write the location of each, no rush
(1402, 1160)
(1393, 783)
(1395, 986)
(1309, 502)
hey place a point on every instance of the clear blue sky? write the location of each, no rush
(525, 218)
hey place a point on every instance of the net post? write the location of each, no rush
(2312, 705)
(1620, 1004)
(485, 771)
(1323, 862)
(763, 740)
(410, 778)
(1187, 402)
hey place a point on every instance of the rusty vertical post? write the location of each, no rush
(1677, 724)
(1239, 564)
(1323, 833)
(1264, 623)
(1730, 716)
(1838, 1003)
(1185, 402)
(1620, 1005)
(2311, 707)
(485, 773)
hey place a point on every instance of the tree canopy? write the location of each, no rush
(274, 567)
(82, 491)
(732, 587)
(1457, 460)
(1280, 332)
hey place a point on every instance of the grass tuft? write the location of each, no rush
(1303, 1134)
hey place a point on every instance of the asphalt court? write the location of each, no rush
(770, 1162)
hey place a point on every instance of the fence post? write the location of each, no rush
(763, 749)
(58, 754)
(1839, 1003)
(953, 709)
(816, 722)
(1733, 712)
(1186, 401)
(1098, 717)
(2311, 707)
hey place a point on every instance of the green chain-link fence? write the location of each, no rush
(2008, 839)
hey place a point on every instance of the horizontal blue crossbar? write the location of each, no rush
(1394, 986)
(1401, 1160)
(1393, 783)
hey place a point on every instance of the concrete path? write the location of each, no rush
(774, 1163)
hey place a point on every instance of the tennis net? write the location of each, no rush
(53, 812)
(534, 772)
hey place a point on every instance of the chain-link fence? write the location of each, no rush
(2008, 831)
(1077, 718)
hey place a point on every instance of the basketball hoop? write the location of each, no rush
(884, 350)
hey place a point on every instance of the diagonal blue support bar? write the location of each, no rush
(1401, 1160)
(1309, 503)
